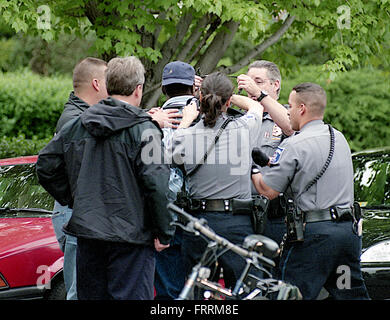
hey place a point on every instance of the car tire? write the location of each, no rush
(57, 291)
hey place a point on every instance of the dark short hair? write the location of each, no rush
(123, 75)
(86, 70)
(177, 89)
(312, 95)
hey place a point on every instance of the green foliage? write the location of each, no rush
(351, 32)
(11, 147)
(31, 104)
(21, 51)
(60, 57)
(358, 103)
(338, 35)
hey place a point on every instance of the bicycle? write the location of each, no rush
(258, 252)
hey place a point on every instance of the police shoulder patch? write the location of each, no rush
(276, 157)
(248, 116)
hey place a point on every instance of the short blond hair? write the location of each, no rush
(313, 96)
(86, 70)
(123, 75)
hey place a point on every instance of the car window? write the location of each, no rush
(19, 188)
(372, 179)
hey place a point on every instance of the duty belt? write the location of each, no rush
(331, 214)
(218, 205)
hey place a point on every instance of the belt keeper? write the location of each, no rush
(203, 204)
(226, 202)
(333, 214)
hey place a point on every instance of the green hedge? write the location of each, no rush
(11, 147)
(358, 103)
(30, 105)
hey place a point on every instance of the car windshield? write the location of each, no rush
(19, 188)
(372, 179)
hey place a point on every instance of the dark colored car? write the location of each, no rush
(372, 191)
(31, 261)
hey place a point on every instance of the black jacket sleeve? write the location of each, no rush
(51, 171)
(154, 176)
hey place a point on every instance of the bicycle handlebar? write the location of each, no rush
(209, 233)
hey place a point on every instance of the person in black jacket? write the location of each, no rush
(89, 85)
(96, 165)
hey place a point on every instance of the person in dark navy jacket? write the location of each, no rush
(96, 166)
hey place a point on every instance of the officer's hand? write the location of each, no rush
(190, 112)
(169, 118)
(159, 246)
(198, 82)
(245, 82)
(153, 110)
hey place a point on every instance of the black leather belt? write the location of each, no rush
(331, 214)
(218, 205)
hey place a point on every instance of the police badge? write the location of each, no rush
(276, 131)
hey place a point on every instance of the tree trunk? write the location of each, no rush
(197, 32)
(217, 48)
(168, 50)
(260, 48)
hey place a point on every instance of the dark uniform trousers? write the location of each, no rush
(232, 227)
(328, 257)
(112, 270)
(275, 228)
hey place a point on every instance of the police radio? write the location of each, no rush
(294, 222)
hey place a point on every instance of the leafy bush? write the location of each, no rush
(30, 104)
(358, 103)
(20, 146)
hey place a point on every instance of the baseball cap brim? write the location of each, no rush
(177, 80)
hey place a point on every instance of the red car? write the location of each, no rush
(31, 261)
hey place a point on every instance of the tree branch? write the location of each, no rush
(156, 34)
(173, 43)
(217, 47)
(193, 38)
(147, 41)
(167, 51)
(151, 88)
(213, 26)
(91, 11)
(260, 48)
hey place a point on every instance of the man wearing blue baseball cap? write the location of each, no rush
(178, 85)
(178, 72)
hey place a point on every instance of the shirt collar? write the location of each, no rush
(177, 99)
(311, 124)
